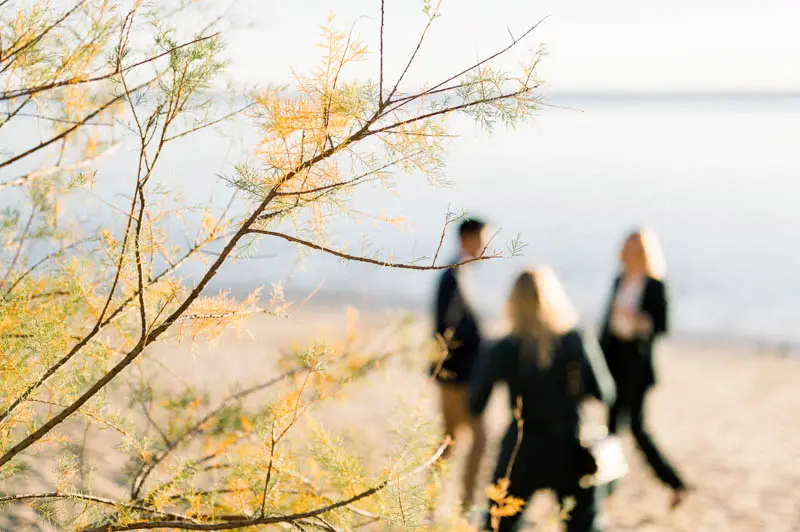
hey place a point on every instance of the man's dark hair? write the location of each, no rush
(470, 226)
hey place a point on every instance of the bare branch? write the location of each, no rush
(380, 75)
(82, 497)
(272, 443)
(153, 424)
(467, 70)
(209, 124)
(56, 119)
(357, 258)
(228, 314)
(447, 222)
(431, 18)
(20, 245)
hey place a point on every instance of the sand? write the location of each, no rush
(727, 417)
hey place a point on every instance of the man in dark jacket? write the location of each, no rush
(459, 334)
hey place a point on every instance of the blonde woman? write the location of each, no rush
(636, 316)
(549, 370)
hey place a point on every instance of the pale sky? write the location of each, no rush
(593, 45)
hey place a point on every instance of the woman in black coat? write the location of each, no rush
(549, 370)
(635, 318)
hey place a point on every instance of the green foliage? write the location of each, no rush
(78, 323)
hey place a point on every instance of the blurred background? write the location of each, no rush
(681, 116)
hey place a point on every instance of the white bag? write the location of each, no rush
(609, 455)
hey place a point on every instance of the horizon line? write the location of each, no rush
(678, 93)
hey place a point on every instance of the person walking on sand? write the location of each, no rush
(636, 316)
(550, 369)
(457, 329)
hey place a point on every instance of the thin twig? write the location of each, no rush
(60, 120)
(447, 222)
(272, 444)
(196, 428)
(380, 75)
(209, 124)
(89, 498)
(408, 99)
(460, 107)
(414, 54)
(38, 174)
(21, 244)
(42, 261)
(246, 521)
(27, 91)
(64, 134)
(357, 258)
(95, 330)
(14, 51)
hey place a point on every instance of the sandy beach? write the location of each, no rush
(726, 417)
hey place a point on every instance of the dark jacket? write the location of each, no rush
(654, 304)
(456, 323)
(550, 398)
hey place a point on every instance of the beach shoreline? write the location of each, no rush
(327, 302)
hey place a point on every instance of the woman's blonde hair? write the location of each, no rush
(651, 253)
(540, 310)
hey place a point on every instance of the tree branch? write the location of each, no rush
(431, 18)
(196, 428)
(64, 134)
(38, 174)
(193, 295)
(209, 124)
(380, 75)
(119, 70)
(21, 244)
(460, 107)
(357, 258)
(90, 498)
(438, 86)
(235, 522)
(16, 51)
(94, 331)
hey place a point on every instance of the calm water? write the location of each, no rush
(718, 180)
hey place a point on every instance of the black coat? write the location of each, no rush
(622, 366)
(455, 321)
(550, 402)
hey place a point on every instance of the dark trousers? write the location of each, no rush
(628, 409)
(546, 466)
(581, 518)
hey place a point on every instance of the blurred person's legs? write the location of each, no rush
(619, 356)
(583, 516)
(455, 413)
(619, 413)
(658, 462)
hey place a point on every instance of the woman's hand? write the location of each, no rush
(643, 324)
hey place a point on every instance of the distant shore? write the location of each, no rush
(329, 300)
